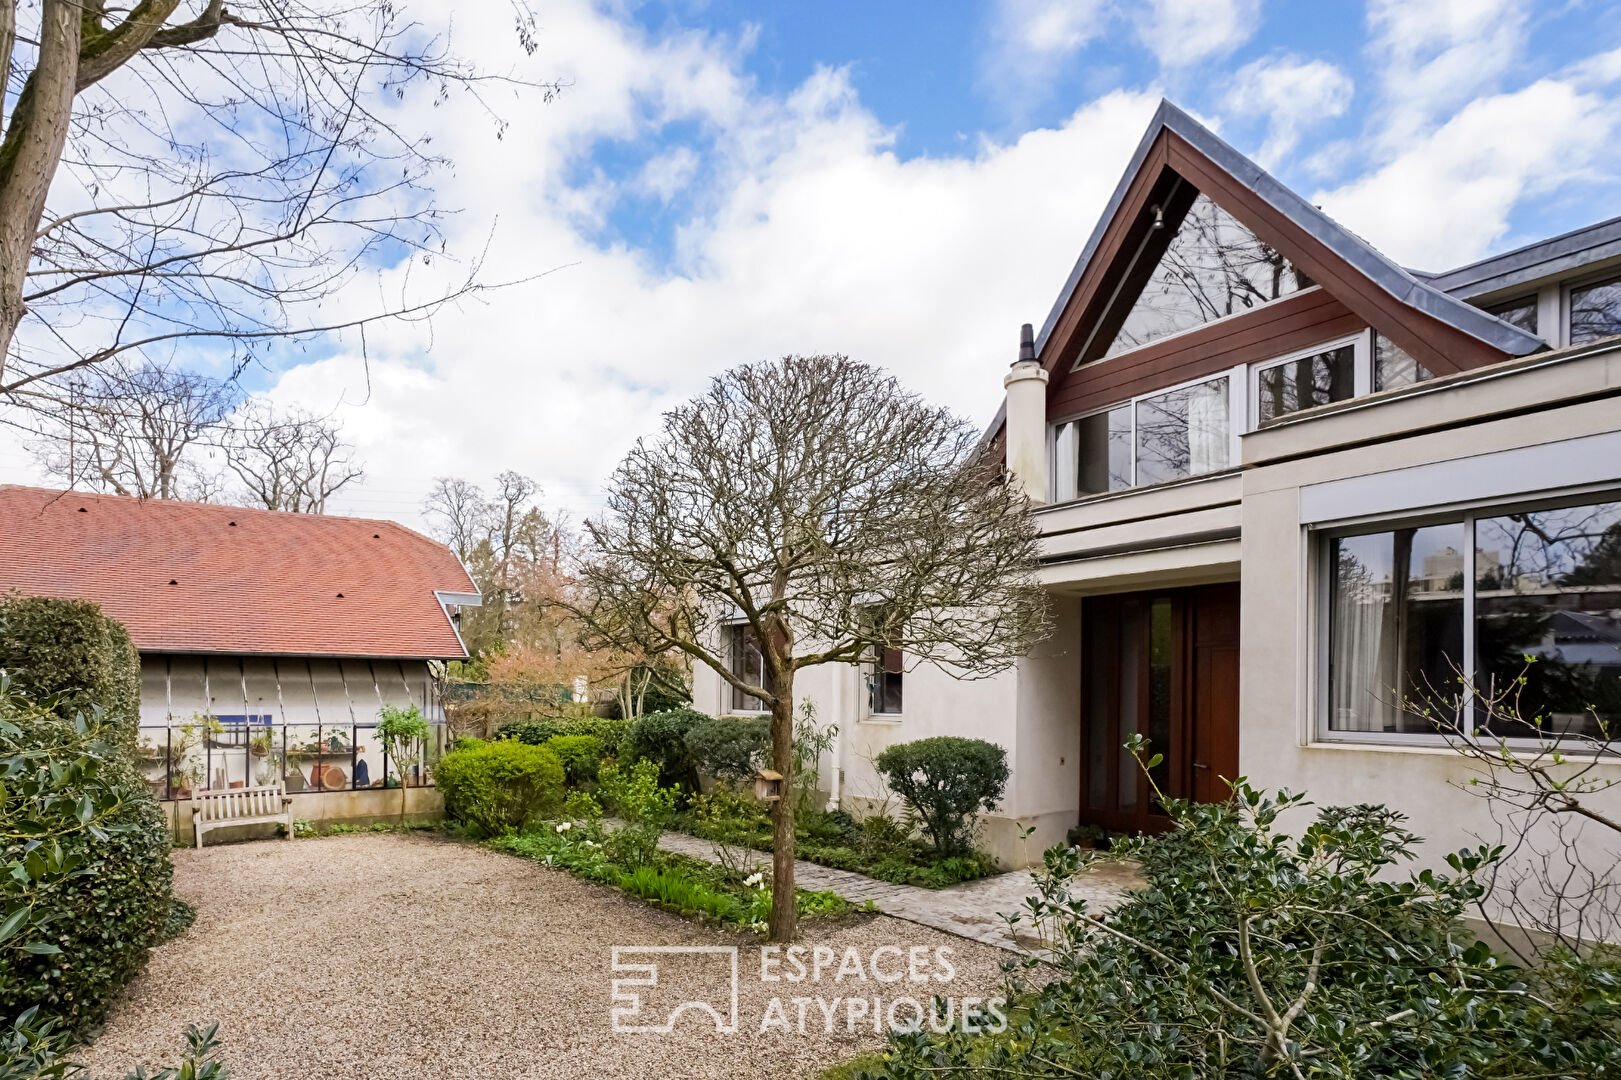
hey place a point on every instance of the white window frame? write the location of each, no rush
(1238, 418)
(1361, 378)
(1321, 596)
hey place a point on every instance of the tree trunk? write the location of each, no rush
(784, 914)
(31, 152)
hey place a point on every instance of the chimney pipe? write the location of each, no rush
(1026, 419)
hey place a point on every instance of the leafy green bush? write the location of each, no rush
(636, 795)
(69, 651)
(730, 747)
(946, 781)
(1251, 953)
(537, 731)
(84, 863)
(662, 739)
(581, 756)
(500, 786)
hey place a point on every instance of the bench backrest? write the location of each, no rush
(234, 803)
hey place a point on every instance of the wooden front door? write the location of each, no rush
(1163, 664)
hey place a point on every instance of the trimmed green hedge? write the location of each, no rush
(581, 755)
(537, 731)
(68, 647)
(498, 787)
(105, 918)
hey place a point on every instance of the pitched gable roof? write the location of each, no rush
(197, 578)
(1442, 331)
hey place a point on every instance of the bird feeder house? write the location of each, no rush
(767, 785)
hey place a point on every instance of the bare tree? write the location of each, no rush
(292, 460)
(129, 430)
(513, 519)
(458, 513)
(174, 172)
(1550, 787)
(827, 512)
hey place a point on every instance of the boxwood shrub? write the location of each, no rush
(538, 730)
(106, 916)
(945, 782)
(581, 756)
(730, 747)
(68, 647)
(661, 738)
(501, 786)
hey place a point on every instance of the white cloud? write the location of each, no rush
(1184, 32)
(1446, 199)
(667, 174)
(1435, 55)
(1030, 40)
(812, 236)
(1292, 94)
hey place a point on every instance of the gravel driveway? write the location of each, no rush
(382, 955)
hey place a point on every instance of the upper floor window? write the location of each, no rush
(1532, 615)
(1595, 311)
(746, 663)
(1521, 312)
(1302, 382)
(1162, 436)
(1393, 366)
(1212, 267)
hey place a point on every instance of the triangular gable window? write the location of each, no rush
(1212, 267)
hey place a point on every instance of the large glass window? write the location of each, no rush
(1395, 634)
(1595, 311)
(1541, 603)
(1212, 267)
(1394, 366)
(1183, 432)
(1148, 440)
(1305, 381)
(747, 664)
(1548, 609)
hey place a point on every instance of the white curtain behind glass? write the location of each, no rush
(1208, 439)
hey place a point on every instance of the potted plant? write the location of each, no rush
(1084, 836)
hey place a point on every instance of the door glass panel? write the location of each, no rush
(1548, 610)
(1131, 638)
(1161, 657)
(1097, 673)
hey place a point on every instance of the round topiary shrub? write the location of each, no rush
(69, 648)
(945, 782)
(498, 787)
(662, 739)
(580, 754)
(729, 747)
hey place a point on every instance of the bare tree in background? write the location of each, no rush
(128, 431)
(291, 460)
(829, 513)
(177, 173)
(457, 511)
(512, 519)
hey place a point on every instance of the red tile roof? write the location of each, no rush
(191, 577)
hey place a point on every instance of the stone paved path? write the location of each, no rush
(972, 910)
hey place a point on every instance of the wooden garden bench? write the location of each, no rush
(240, 806)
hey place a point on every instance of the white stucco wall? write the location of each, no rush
(1415, 467)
